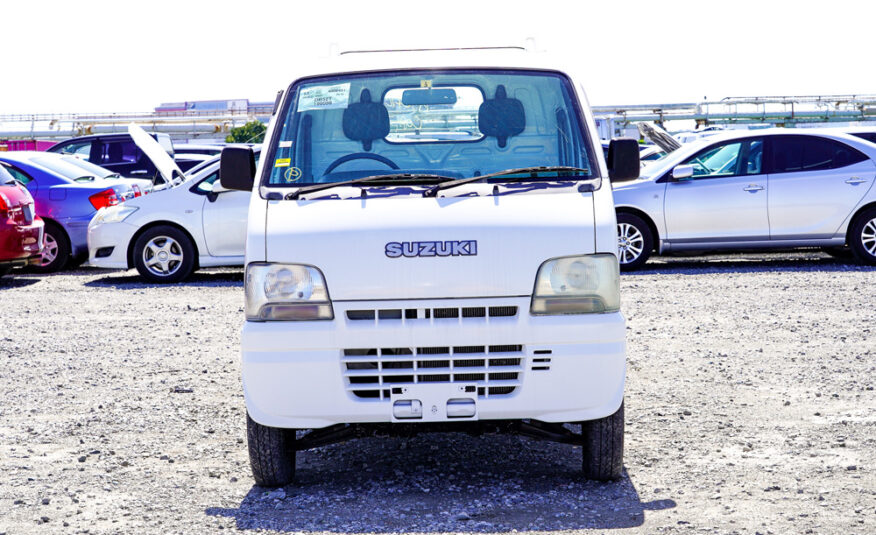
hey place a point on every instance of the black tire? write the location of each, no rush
(862, 237)
(635, 248)
(77, 261)
(5, 271)
(177, 243)
(59, 244)
(603, 447)
(271, 454)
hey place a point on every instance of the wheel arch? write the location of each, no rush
(130, 252)
(854, 219)
(49, 220)
(646, 218)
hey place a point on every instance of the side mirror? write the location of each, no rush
(623, 159)
(237, 168)
(682, 172)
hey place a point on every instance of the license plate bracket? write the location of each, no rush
(438, 402)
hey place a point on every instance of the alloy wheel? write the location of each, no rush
(162, 256)
(868, 237)
(630, 241)
(50, 252)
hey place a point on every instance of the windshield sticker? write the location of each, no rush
(292, 174)
(283, 162)
(324, 97)
(285, 144)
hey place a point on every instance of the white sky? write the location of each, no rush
(105, 56)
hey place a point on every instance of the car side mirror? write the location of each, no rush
(237, 168)
(623, 159)
(682, 172)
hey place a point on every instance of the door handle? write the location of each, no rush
(752, 187)
(854, 181)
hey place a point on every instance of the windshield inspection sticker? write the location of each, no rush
(324, 97)
(283, 162)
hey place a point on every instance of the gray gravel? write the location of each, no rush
(750, 408)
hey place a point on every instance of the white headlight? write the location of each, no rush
(577, 285)
(286, 292)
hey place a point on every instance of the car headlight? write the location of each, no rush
(577, 285)
(113, 214)
(286, 292)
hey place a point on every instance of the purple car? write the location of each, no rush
(67, 193)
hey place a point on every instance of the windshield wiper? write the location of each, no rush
(531, 172)
(85, 178)
(376, 178)
(113, 175)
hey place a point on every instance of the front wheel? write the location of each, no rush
(603, 447)
(862, 237)
(164, 254)
(635, 241)
(271, 454)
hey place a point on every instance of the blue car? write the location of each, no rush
(67, 193)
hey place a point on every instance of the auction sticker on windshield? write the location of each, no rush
(324, 97)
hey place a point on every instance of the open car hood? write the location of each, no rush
(659, 136)
(158, 154)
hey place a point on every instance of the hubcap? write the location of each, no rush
(50, 252)
(630, 242)
(868, 237)
(162, 256)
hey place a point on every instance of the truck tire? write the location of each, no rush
(603, 447)
(271, 454)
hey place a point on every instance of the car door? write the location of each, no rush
(726, 198)
(814, 184)
(224, 218)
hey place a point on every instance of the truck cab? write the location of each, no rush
(431, 245)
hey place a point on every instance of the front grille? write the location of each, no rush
(397, 314)
(369, 373)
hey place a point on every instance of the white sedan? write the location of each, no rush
(168, 234)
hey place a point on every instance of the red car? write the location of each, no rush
(21, 232)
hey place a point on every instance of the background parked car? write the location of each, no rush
(21, 231)
(66, 199)
(169, 234)
(119, 153)
(771, 188)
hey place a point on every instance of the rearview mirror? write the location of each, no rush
(623, 159)
(682, 172)
(428, 97)
(237, 168)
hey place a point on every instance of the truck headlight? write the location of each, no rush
(113, 214)
(286, 292)
(577, 285)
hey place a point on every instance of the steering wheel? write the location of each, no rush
(360, 156)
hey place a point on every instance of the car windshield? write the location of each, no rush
(452, 123)
(65, 169)
(89, 168)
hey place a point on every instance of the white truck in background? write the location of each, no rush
(432, 245)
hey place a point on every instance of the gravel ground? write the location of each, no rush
(750, 408)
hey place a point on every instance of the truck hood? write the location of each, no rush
(427, 248)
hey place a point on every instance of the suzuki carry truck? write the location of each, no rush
(432, 245)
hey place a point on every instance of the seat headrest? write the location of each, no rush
(501, 117)
(366, 121)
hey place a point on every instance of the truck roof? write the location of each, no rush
(378, 60)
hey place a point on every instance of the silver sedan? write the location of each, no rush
(770, 189)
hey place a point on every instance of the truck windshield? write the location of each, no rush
(452, 123)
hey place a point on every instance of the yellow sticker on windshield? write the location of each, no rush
(292, 174)
(283, 162)
(426, 84)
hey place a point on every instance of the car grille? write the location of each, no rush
(370, 373)
(431, 313)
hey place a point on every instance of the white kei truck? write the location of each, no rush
(432, 246)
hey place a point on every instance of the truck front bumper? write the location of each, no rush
(551, 368)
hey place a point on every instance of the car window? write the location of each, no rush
(6, 176)
(869, 136)
(733, 158)
(809, 153)
(81, 149)
(206, 185)
(119, 152)
(18, 174)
